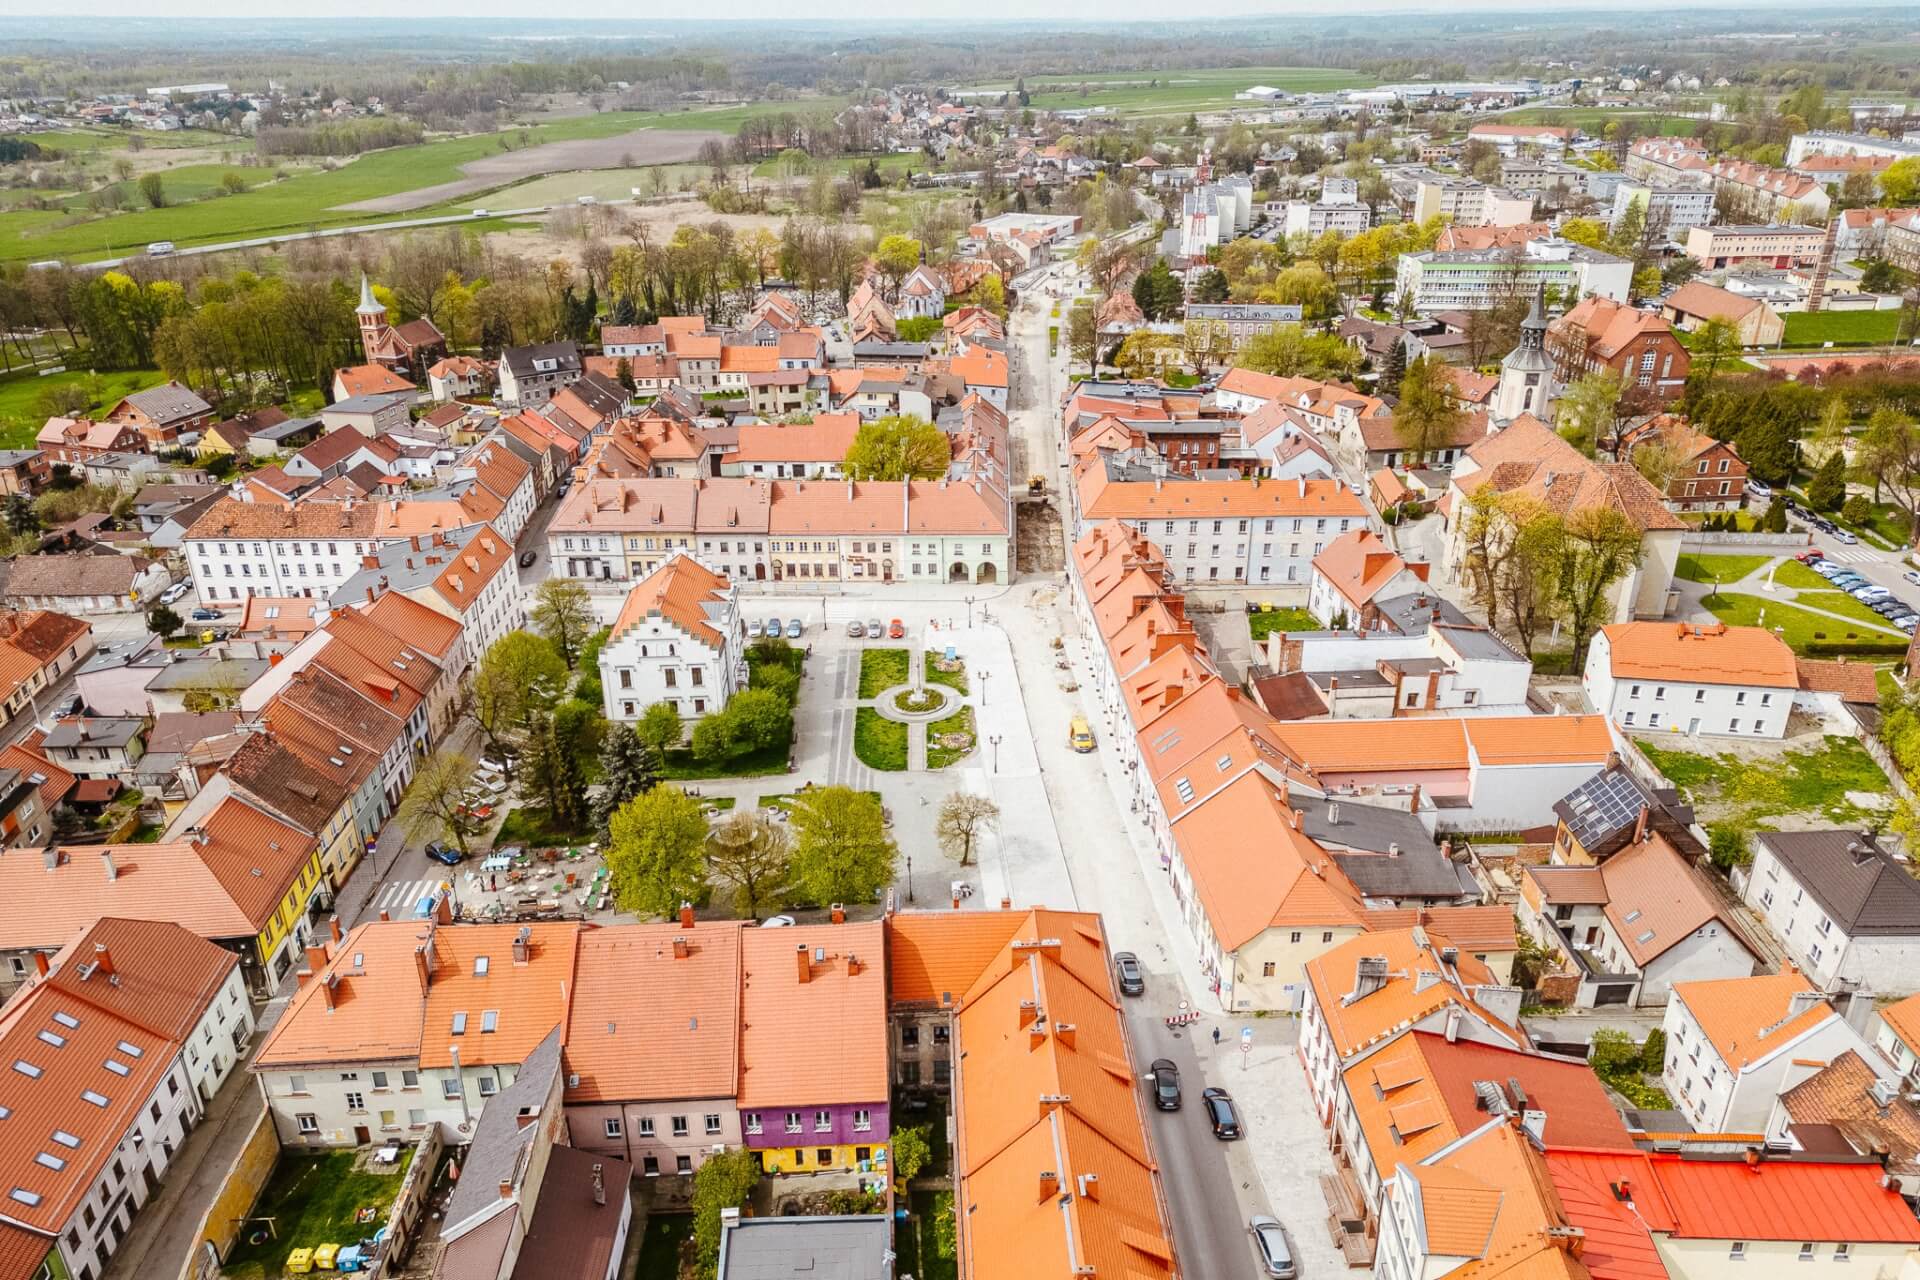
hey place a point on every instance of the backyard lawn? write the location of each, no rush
(21, 418)
(315, 1200)
(1287, 619)
(530, 825)
(660, 1248)
(1706, 568)
(881, 669)
(1841, 603)
(880, 743)
(1733, 788)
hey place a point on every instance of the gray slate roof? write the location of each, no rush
(498, 1137)
(168, 403)
(847, 1247)
(1372, 832)
(1853, 879)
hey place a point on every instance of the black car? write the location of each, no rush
(1132, 981)
(445, 854)
(1166, 1085)
(1221, 1114)
(527, 558)
(204, 615)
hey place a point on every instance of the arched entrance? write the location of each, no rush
(988, 573)
(958, 573)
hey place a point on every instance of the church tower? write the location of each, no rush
(1526, 375)
(373, 320)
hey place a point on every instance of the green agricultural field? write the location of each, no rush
(312, 200)
(75, 141)
(1153, 92)
(1593, 119)
(892, 165)
(21, 420)
(1843, 328)
(186, 183)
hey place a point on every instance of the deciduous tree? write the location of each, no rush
(660, 728)
(436, 799)
(898, 447)
(751, 852)
(841, 852)
(1599, 548)
(518, 676)
(654, 851)
(1428, 416)
(563, 611)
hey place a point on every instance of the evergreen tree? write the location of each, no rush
(1393, 367)
(628, 767)
(624, 312)
(1829, 487)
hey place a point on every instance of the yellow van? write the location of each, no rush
(1080, 734)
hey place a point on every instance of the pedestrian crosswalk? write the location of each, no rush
(1853, 555)
(399, 897)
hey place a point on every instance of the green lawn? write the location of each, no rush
(74, 141)
(878, 742)
(881, 669)
(680, 765)
(961, 721)
(20, 415)
(1594, 119)
(1151, 92)
(1707, 568)
(1800, 629)
(530, 825)
(660, 1247)
(1792, 573)
(315, 1200)
(1261, 624)
(313, 199)
(1745, 792)
(892, 165)
(936, 1263)
(1843, 328)
(1841, 603)
(955, 679)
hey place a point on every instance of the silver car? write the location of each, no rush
(794, 628)
(1270, 1241)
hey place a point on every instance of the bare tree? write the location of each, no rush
(964, 819)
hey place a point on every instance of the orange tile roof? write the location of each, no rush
(678, 592)
(1495, 1203)
(22, 1252)
(1697, 654)
(287, 616)
(1253, 871)
(364, 1006)
(524, 999)
(1656, 899)
(1473, 929)
(1459, 1211)
(1360, 746)
(1101, 498)
(935, 956)
(427, 629)
(981, 367)
(256, 856)
(1401, 1002)
(1790, 1200)
(818, 1042)
(648, 1022)
(42, 908)
(1076, 1050)
(1903, 1019)
(56, 781)
(1618, 1243)
(1358, 565)
(826, 439)
(370, 379)
(1853, 681)
(99, 1049)
(1745, 1019)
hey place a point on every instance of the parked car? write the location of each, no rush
(1166, 1084)
(1869, 593)
(1759, 489)
(204, 614)
(794, 628)
(874, 629)
(1889, 608)
(527, 558)
(773, 626)
(778, 922)
(173, 593)
(71, 705)
(493, 764)
(445, 854)
(1221, 1114)
(1908, 624)
(1133, 982)
(1811, 556)
(896, 630)
(756, 629)
(1829, 568)
(856, 629)
(1911, 575)
(1270, 1239)
(1842, 537)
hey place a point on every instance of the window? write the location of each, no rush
(387, 1119)
(822, 1121)
(1266, 970)
(416, 1117)
(941, 1033)
(488, 1086)
(753, 1122)
(307, 1122)
(1806, 1251)
(683, 1165)
(646, 1126)
(793, 1122)
(1327, 936)
(1740, 698)
(611, 1126)
(356, 1102)
(1633, 691)
(296, 1084)
(1737, 1251)
(910, 1036)
(862, 1120)
(1294, 937)
(823, 1156)
(379, 1080)
(409, 1079)
(713, 1122)
(450, 1090)
(650, 1166)
(1842, 1251)
(1733, 726)
(679, 1126)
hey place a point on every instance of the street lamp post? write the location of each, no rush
(994, 741)
(908, 850)
(984, 677)
(969, 613)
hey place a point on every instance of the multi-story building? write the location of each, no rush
(240, 549)
(1782, 246)
(1846, 909)
(1476, 279)
(1668, 160)
(118, 1048)
(1711, 476)
(1753, 192)
(37, 648)
(810, 451)
(1600, 333)
(1803, 145)
(1667, 209)
(468, 575)
(1679, 677)
(1471, 204)
(531, 376)
(1234, 531)
(678, 640)
(1338, 209)
(1511, 138)
(1239, 323)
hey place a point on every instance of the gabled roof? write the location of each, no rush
(648, 1022)
(1656, 900)
(1791, 1200)
(1615, 1201)
(370, 379)
(365, 1005)
(1859, 884)
(167, 403)
(1526, 456)
(1359, 566)
(1700, 654)
(493, 998)
(818, 1041)
(1840, 1095)
(1401, 999)
(1747, 1019)
(682, 591)
(935, 956)
(41, 906)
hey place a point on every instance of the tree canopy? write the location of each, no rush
(900, 446)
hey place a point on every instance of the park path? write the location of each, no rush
(1755, 584)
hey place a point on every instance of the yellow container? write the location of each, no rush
(325, 1256)
(299, 1262)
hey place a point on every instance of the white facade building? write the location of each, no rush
(1475, 279)
(1674, 677)
(1847, 911)
(678, 640)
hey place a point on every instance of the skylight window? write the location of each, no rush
(490, 1020)
(53, 1038)
(1185, 789)
(26, 1068)
(66, 1139)
(460, 1023)
(66, 1020)
(1633, 915)
(97, 1099)
(480, 966)
(1645, 937)
(24, 1196)
(131, 1050)
(117, 1067)
(50, 1161)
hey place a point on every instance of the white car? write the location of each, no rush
(1913, 576)
(1758, 488)
(173, 593)
(1842, 536)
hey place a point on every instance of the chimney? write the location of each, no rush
(329, 991)
(106, 865)
(1049, 1184)
(839, 913)
(40, 963)
(1572, 1240)
(523, 945)
(1640, 824)
(385, 915)
(334, 927)
(421, 967)
(805, 963)
(1090, 1186)
(1063, 1032)
(679, 948)
(506, 1188)
(103, 959)
(1534, 1121)
(317, 958)
(1296, 819)
(599, 1186)
(443, 913)
(686, 915)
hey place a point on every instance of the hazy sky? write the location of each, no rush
(586, 11)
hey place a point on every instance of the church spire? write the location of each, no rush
(368, 303)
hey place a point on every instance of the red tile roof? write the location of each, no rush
(1789, 1200)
